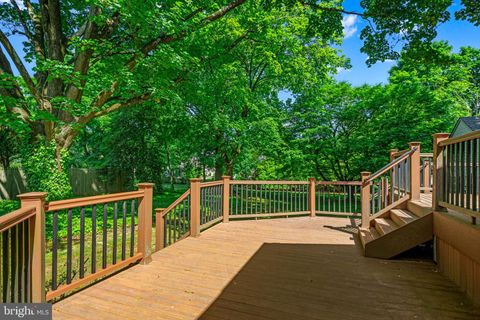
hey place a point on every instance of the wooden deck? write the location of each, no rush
(296, 268)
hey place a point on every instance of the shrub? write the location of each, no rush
(43, 174)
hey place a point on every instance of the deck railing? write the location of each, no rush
(456, 175)
(426, 172)
(254, 199)
(80, 240)
(395, 183)
(16, 253)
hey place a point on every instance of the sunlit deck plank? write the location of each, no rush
(297, 268)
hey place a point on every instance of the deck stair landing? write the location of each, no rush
(399, 230)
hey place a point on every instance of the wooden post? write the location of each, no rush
(415, 171)
(195, 207)
(226, 198)
(426, 176)
(37, 242)
(437, 192)
(311, 196)
(365, 198)
(145, 222)
(159, 229)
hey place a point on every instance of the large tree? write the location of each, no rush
(95, 57)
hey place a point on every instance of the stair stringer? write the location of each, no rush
(401, 239)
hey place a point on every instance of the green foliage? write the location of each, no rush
(43, 172)
(7, 206)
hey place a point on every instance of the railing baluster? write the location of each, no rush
(468, 176)
(94, 239)
(124, 231)
(132, 227)
(13, 265)
(82, 243)
(475, 175)
(114, 236)
(69, 247)
(104, 236)
(5, 266)
(54, 249)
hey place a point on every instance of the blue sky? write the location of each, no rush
(457, 33)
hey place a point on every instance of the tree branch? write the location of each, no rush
(18, 63)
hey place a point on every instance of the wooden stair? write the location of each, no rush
(397, 231)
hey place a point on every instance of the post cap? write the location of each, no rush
(195, 179)
(145, 185)
(32, 195)
(365, 173)
(414, 143)
(393, 150)
(441, 135)
(226, 177)
(159, 210)
(311, 179)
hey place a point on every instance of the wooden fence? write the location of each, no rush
(84, 182)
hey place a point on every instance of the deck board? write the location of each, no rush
(296, 268)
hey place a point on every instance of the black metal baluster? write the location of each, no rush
(124, 231)
(132, 227)
(69, 246)
(20, 286)
(5, 266)
(54, 249)
(27, 260)
(94, 239)
(82, 243)
(114, 233)
(13, 265)
(104, 236)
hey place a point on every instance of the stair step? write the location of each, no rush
(368, 235)
(385, 225)
(402, 217)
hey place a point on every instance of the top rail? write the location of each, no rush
(86, 201)
(176, 202)
(390, 165)
(426, 155)
(211, 183)
(466, 137)
(266, 182)
(15, 217)
(340, 183)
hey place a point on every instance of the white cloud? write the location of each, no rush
(349, 25)
(342, 70)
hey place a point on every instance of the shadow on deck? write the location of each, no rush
(298, 268)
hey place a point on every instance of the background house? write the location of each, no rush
(465, 125)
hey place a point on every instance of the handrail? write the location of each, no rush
(426, 155)
(86, 201)
(463, 138)
(15, 217)
(176, 202)
(399, 153)
(389, 166)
